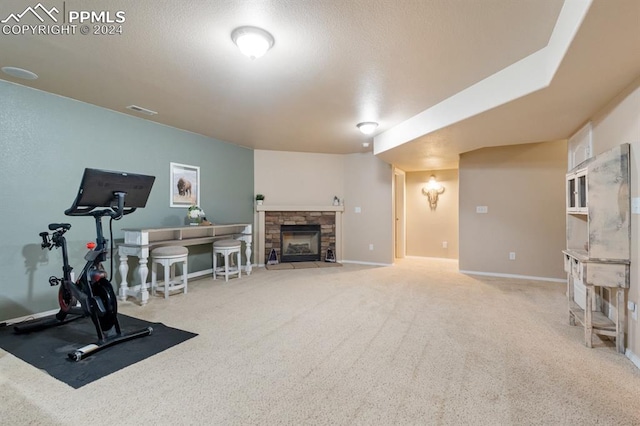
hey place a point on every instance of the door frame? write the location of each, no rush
(399, 213)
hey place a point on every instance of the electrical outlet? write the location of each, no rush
(357, 210)
(635, 205)
(370, 246)
(482, 209)
(512, 255)
(445, 244)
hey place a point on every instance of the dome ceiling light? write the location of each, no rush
(367, 127)
(252, 41)
(19, 73)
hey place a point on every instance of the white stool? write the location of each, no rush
(168, 257)
(226, 248)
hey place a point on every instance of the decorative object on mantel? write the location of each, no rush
(259, 199)
(195, 215)
(273, 258)
(432, 191)
(331, 256)
(336, 201)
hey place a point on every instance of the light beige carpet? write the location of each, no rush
(415, 343)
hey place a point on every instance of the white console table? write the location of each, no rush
(140, 242)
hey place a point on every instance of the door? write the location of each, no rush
(399, 213)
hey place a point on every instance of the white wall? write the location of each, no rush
(523, 187)
(427, 228)
(360, 180)
(368, 185)
(298, 178)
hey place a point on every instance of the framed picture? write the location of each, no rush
(184, 185)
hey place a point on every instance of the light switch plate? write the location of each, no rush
(635, 205)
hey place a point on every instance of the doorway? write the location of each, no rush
(399, 213)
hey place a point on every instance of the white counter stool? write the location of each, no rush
(226, 248)
(168, 257)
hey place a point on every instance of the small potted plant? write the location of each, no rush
(259, 199)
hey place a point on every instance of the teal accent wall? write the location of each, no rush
(46, 142)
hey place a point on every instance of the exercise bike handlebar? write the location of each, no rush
(115, 211)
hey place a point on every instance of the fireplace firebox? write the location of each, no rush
(300, 243)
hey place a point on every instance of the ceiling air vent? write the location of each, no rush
(141, 110)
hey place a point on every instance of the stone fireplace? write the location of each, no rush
(271, 218)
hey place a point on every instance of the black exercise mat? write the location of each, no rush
(47, 349)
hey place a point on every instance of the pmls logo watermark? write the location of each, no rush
(43, 20)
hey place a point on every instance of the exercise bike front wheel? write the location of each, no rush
(103, 292)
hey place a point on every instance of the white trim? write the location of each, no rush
(432, 258)
(633, 357)
(269, 208)
(519, 277)
(358, 262)
(30, 317)
(526, 76)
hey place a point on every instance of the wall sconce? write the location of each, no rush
(432, 191)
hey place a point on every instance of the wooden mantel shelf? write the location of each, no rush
(269, 208)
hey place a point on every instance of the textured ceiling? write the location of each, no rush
(334, 63)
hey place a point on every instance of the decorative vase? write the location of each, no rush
(259, 202)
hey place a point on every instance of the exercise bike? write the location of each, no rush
(101, 194)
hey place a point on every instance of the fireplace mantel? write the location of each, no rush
(268, 208)
(260, 225)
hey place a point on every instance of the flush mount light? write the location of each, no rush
(367, 127)
(252, 41)
(19, 73)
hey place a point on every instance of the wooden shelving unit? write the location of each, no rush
(598, 243)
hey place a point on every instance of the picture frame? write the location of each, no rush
(184, 185)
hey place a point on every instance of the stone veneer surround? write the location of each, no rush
(271, 217)
(273, 220)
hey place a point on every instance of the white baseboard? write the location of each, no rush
(633, 357)
(519, 277)
(366, 263)
(31, 316)
(449, 259)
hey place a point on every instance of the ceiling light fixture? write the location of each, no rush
(19, 73)
(367, 127)
(252, 41)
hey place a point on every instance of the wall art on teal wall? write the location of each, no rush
(184, 185)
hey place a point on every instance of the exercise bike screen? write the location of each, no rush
(98, 187)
